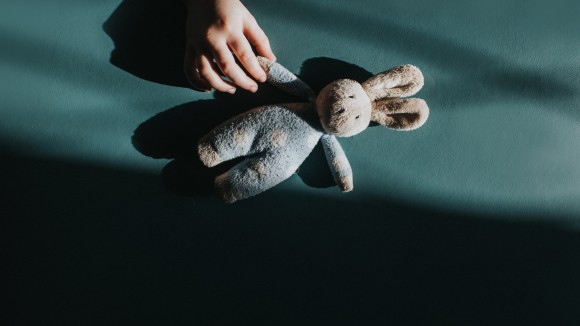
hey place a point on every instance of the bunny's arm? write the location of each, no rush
(283, 79)
(338, 162)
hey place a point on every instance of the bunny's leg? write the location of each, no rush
(225, 143)
(256, 174)
(338, 162)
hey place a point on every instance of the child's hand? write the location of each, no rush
(215, 29)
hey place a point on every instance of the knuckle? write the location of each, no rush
(229, 29)
(224, 25)
(252, 23)
(228, 67)
(251, 19)
(220, 22)
(209, 34)
(246, 55)
(205, 72)
(212, 36)
(263, 39)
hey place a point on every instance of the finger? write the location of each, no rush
(209, 72)
(192, 73)
(227, 64)
(259, 40)
(245, 54)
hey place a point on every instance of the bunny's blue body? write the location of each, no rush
(276, 139)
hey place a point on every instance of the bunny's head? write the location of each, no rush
(346, 107)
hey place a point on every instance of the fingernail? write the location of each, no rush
(231, 90)
(263, 78)
(253, 89)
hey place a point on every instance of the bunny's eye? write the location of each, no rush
(358, 116)
(351, 96)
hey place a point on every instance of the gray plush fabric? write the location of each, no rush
(285, 80)
(339, 165)
(276, 139)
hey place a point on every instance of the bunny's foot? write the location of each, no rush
(224, 189)
(208, 155)
(345, 183)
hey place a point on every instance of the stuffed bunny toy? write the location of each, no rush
(276, 139)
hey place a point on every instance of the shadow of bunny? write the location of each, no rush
(174, 133)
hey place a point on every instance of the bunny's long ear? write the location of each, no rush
(400, 81)
(400, 113)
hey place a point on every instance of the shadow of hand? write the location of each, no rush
(149, 40)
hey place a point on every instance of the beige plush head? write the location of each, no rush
(346, 107)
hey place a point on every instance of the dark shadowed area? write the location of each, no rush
(113, 251)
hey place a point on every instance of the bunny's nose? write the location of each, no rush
(340, 111)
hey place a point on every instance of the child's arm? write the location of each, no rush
(285, 80)
(223, 30)
(338, 162)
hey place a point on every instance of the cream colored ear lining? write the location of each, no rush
(400, 81)
(400, 114)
